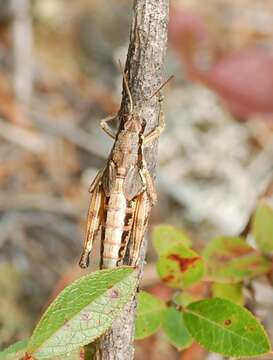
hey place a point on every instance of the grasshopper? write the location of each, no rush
(122, 193)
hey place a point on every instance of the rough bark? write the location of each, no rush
(147, 47)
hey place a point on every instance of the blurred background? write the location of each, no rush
(58, 79)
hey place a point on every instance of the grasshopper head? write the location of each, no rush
(135, 124)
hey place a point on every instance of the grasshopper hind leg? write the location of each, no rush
(84, 260)
(149, 184)
(139, 226)
(94, 220)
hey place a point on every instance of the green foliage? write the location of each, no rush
(263, 228)
(180, 267)
(232, 292)
(87, 308)
(175, 329)
(74, 355)
(165, 237)
(220, 324)
(224, 327)
(150, 312)
(231, 259)
(15, 351)
(82, 312)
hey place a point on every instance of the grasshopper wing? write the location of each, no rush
(108, 178)
(94, 218)
(134, 183)
(142, 210)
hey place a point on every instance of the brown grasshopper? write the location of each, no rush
(122, 193)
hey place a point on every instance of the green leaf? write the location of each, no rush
(180, 267)
(175, 329)
(82, 312)
(166, 236)
(232, 292)
(231, 260)
(78, 354)
(15, 351)
(226, 328)
(150, 312)
(263, 228)
(18, 350)
(74, 355)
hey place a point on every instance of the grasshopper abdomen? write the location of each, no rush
(117, 226)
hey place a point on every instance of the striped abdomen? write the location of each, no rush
(117, 227)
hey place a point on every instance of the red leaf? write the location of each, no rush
(184, 25)
(243, 78)
(184, 263)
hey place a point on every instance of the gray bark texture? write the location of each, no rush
(147, 47)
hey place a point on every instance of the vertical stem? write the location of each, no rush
(22, 50)
(144, 63)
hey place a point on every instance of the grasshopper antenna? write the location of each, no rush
(160, 87)
(126, 87)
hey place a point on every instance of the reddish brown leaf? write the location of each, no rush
(195, 352)
(184, 263)
(28, 357)
(243, 78)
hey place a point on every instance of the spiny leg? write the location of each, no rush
(94, 220)
(139, 225)
(106, 128)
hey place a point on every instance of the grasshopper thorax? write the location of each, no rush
(129, 142)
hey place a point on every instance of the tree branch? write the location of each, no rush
(144, 63)
(22, 50)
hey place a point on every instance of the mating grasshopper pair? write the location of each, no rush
(122, 193)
